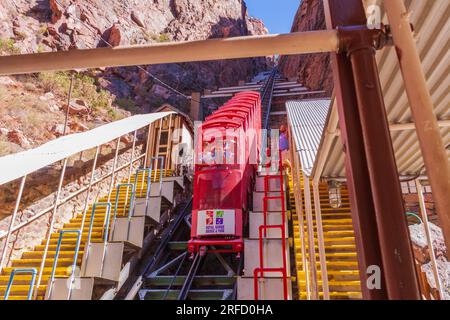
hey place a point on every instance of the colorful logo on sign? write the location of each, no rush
(209, 217)
(219, 221)
(214, 221)
(219, 217)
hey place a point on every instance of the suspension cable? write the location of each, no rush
(99, 37)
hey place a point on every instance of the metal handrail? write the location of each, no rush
(133, 193)
(264, 228)
(267, 95)
(266, 98)
(91, 224)
(55, 261)
(256, 275)
(105, 221)
(33, 272)
(149, 180)
(68, 198)
(130, 208)
(161, 169)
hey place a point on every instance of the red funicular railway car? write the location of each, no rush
(227, 150)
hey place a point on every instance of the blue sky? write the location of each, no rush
(278, 15)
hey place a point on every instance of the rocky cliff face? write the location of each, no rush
(37, 26)
(314, 71)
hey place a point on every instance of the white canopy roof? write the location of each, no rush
(17, 165)
(307, 119)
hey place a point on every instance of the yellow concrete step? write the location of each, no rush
(97, 227)
(63, 247)
(345, 221)
(334, 265)
(63, 262)
(336, 286)
(60, 271)
(21, 290)
(74, 235)
(20, 297)
(337, 275)
(338, 256)
(354, 295)
(330, 241)
(336, 234)
(21, 279)
(333, 248)
(71, 240)
(50, 254)
(328, 227)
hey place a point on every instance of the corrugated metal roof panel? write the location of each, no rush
(307, 120)
(431, 20)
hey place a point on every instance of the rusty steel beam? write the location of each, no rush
(396, 250)
(173, 52)
(341, 13)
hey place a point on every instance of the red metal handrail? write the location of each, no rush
(256, 275)
(282, 227)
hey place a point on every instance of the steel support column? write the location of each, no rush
(395, 245)
(341, 13)
(315, 295)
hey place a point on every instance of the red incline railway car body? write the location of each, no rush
(226, 155)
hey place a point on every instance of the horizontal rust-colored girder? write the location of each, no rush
(174, 52)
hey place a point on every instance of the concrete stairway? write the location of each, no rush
(339, 241)
(126, 235)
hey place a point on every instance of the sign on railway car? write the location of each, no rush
(212, 222)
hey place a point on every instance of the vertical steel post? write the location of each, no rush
(89, 190)
(300, 213)
(113, 172)
(320, 241)
(393, 234)
(69, 97)
(311, 242)
(433, 151)
(11, 222)
(158, 143)
(426, 226)
(50, 228)
(167, 164)
(147, 145)
(130, 169)
(342, 13)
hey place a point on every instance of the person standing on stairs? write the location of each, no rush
(284, 146)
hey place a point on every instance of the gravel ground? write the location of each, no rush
(419, 239)
(444, 275)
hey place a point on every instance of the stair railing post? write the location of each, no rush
(130, 169)
(311, 242)
(158, 143)
(147, 145)
(89, 190)
(321, 244)
(11, 222)
(91, 225)
(50, 228)
(113, 171)
(301, 213)
(11, 280)
(426, 226)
